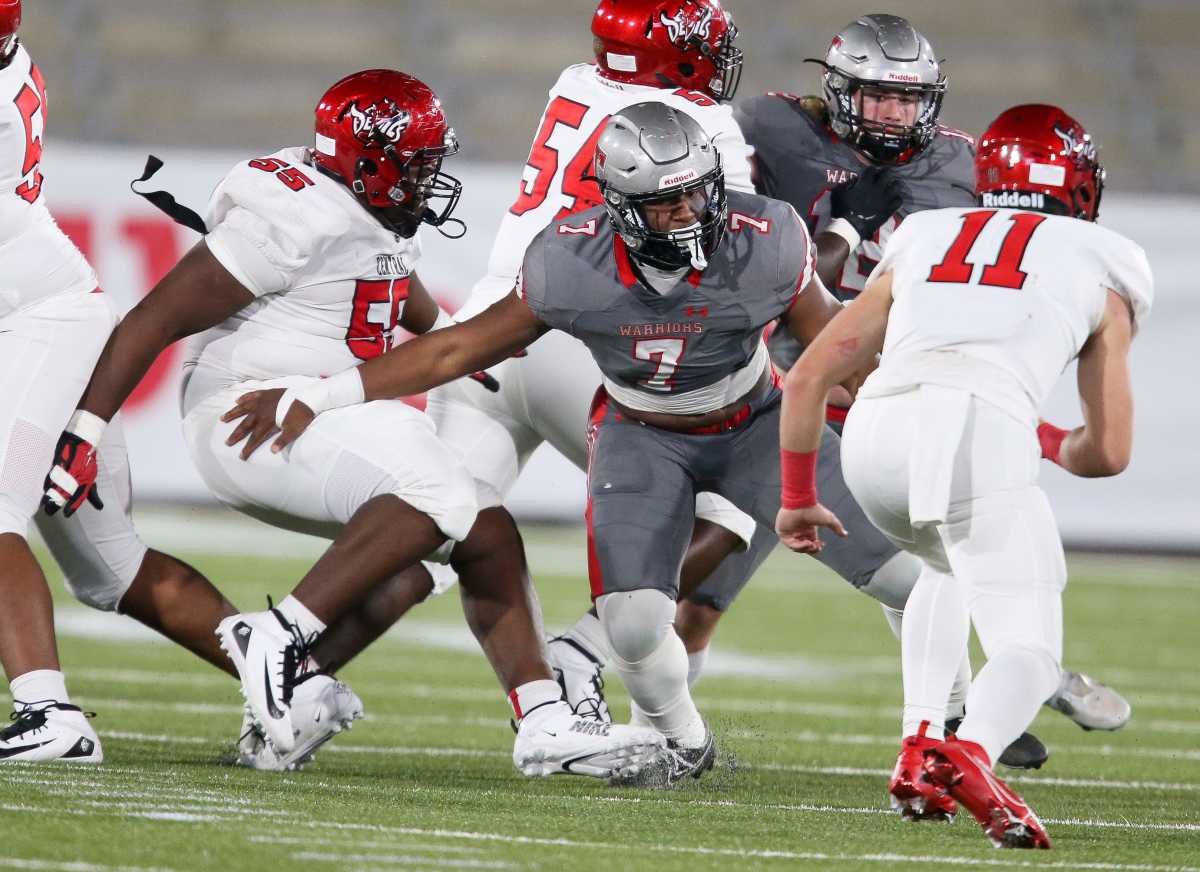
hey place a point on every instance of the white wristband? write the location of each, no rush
(323, 394)
(843, 228)
(443, 320)
(87, 426)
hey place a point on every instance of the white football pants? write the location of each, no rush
(953, 480)
(47, 353)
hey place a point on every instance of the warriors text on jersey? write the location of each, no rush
(329, 279)
(998, 301)
(36, 258)
(551, 185)
(656, 348)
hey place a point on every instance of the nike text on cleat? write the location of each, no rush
(551, 740)
(49, 731)
(578, 671)
(321, 708)
(675, 765)
(1092, 705)
(1026, 752)
(962, 768)
(270, 655)
(912, 793)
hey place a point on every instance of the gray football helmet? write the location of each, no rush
(882, 51)
(651, 153)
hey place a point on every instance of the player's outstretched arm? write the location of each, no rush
(196, 294)
(846, 346)
(858, 208)
(425, 362)
(1102, 446)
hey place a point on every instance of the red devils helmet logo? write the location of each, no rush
(1074, 148)
(381, 119)
(683, 26)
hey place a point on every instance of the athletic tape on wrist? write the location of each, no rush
(843, 228)
(321, 395)
(87, 426)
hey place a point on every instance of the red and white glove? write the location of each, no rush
(72, 477)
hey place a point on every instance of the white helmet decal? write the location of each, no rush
(681, 31)
(382, 118)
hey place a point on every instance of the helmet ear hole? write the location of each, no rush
(687, 70)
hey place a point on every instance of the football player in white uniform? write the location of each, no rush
(307, 269)
(977, 311)
(53, 323)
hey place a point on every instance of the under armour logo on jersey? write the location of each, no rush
(697, 311)
(681, 30)
(381, 119)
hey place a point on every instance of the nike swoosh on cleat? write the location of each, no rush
(12, 752)
(548, 733)
(272, 709)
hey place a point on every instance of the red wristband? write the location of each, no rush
(798, 479)
(1051, 439)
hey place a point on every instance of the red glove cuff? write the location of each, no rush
(1051, 439)
(798, 477)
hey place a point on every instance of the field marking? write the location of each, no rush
(73, 866)
(891, 858)
(360, 843)
(405, 860)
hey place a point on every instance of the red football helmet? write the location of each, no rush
(1036, 153)
(383, 134)
(668, 43)
(10, 21)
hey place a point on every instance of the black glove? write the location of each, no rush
(867, 202)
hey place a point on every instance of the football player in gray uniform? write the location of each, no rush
(669, 284)
(854, 164)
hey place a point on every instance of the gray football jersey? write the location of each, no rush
(798, 158)
(577, 277)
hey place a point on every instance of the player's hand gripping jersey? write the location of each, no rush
(798, 158)
(331, 281)
(997, 302)
(551, 185)
(696, 347)
(36, 258)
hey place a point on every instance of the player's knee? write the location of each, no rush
(892, 582)
(449, 499)
(636, 622)
(101, 589)
(1035, 659)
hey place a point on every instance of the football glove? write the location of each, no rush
(72, 476)
(866, 203)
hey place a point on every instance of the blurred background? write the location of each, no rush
(204, 83)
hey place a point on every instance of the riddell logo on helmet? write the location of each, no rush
(1014, 200)
(382, 119)
(903, 77)
(677, 179)
(681, 31)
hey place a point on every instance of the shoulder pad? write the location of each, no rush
(955, 133)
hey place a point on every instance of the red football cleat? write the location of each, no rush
(913, 794)
(964, 770)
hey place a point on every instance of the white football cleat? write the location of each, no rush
(321, 708)
(49, 731)
(268, 652)
(580, 673)
(1092, 705)
(552, 739)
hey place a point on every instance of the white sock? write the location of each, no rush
(525, 698)
(658, 687)
(298, 613)
(696, 661)
(956, 705)
(895, 619)
(1006, 696)
(934, 641)
(589, 633)
(39, 685)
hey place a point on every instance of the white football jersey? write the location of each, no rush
(329, 279)
(550, 186)
(37, 260)
(999, 301)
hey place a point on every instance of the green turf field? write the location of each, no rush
(803, 693)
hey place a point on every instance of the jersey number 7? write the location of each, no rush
(1006, 271)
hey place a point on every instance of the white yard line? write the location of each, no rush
(72, 866)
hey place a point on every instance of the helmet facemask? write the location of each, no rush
(880, 141)
(636, 218)
(727, 60)
(419, 180)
